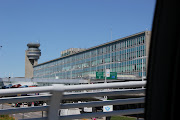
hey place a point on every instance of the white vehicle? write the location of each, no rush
(13, 105)
(24, 105)
(44, 104)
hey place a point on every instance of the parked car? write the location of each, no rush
(7, 86)
(18, 104)
(25, 105)
(24, 86)
(16, 86)
(13, 105)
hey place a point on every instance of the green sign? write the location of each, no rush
(101, 75)
(113, 75)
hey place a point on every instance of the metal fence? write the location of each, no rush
(59, 92)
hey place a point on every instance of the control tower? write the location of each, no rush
(31, 58)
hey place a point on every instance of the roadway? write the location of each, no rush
(23, 115)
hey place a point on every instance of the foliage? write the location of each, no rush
(6, 117)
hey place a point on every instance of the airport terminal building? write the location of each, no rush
(126, 56)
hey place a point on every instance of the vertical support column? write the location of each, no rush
(142, 70)
(90, 63)
(96, 60)
(126, 70)
(105, 81)
(55, 102)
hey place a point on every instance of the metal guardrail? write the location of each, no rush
(58, 93)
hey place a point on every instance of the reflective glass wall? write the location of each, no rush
(125, 56)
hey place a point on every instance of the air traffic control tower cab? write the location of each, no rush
(31, 58)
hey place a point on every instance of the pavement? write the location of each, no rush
(23, 115)
(29, 115)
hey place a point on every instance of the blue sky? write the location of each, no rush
(62, 24)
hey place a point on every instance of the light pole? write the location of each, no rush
(105, 81)
(142, 65)
(105, 74)
(142, 70)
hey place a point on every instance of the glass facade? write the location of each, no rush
(124, 56)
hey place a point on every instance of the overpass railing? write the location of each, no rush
(58, 92)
